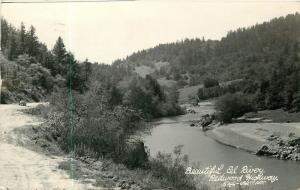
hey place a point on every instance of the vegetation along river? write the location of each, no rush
(172, 131)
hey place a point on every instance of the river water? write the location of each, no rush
(170, 132)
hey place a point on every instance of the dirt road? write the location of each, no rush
(23, 169)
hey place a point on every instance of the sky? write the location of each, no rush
(105, 31)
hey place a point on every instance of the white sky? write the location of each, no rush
(106, 31)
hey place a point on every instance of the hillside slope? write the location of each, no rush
(251, 51)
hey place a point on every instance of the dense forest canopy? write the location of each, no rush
(243, 52)
(265, 56)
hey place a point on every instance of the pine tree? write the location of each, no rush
(4, 34)
(22, 36)
(59, 50)
(12, 47)
(32, 44)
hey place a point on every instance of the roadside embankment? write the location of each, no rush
(22, 168)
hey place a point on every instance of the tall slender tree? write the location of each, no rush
(59, 52)
(22, 38)
(32, 44)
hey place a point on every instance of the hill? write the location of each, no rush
(251, 51)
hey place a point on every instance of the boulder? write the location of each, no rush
(294, 142)
(22, 103)
(135, 187)
(206, 120)
(265, 150)
(190, 111)
(192, 124)
(272, 137)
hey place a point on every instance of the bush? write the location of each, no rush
(88, 126)
(232, 106)
(219, 90)
(172, 169)
(40, 110)
(211, 92)
(209, 82)
(296, 102)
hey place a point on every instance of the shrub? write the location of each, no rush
(40, 110)
(209, 82)
(296, 102)
(233, 105)
(211, 92)
(172, 169)
(219, 90)
(89, 127)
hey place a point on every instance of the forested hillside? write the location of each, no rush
(265, 57)
(251, 51)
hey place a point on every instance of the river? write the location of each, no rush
(170, 132)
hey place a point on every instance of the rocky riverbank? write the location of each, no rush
(278, 140)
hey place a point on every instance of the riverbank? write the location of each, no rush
(278, 140)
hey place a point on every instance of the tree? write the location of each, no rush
(32, 44)
(87, 69)
(115, 97)
(73, 73)
(4, 34)
(59, 50)
(232, 106)
(22, 38)
(12, 47)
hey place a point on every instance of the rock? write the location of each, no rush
(272, 137)
(109, 175)
(297, 149)
(294, 142)
(125, 186)
(131, 182)
(206, 120)
(44, 145)
(115, 179)
(190, 111)
(284, 154)
(22, 103)
(265, 151)
(121, 183)
(135, 187)
(281, 142)
(292, 135)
